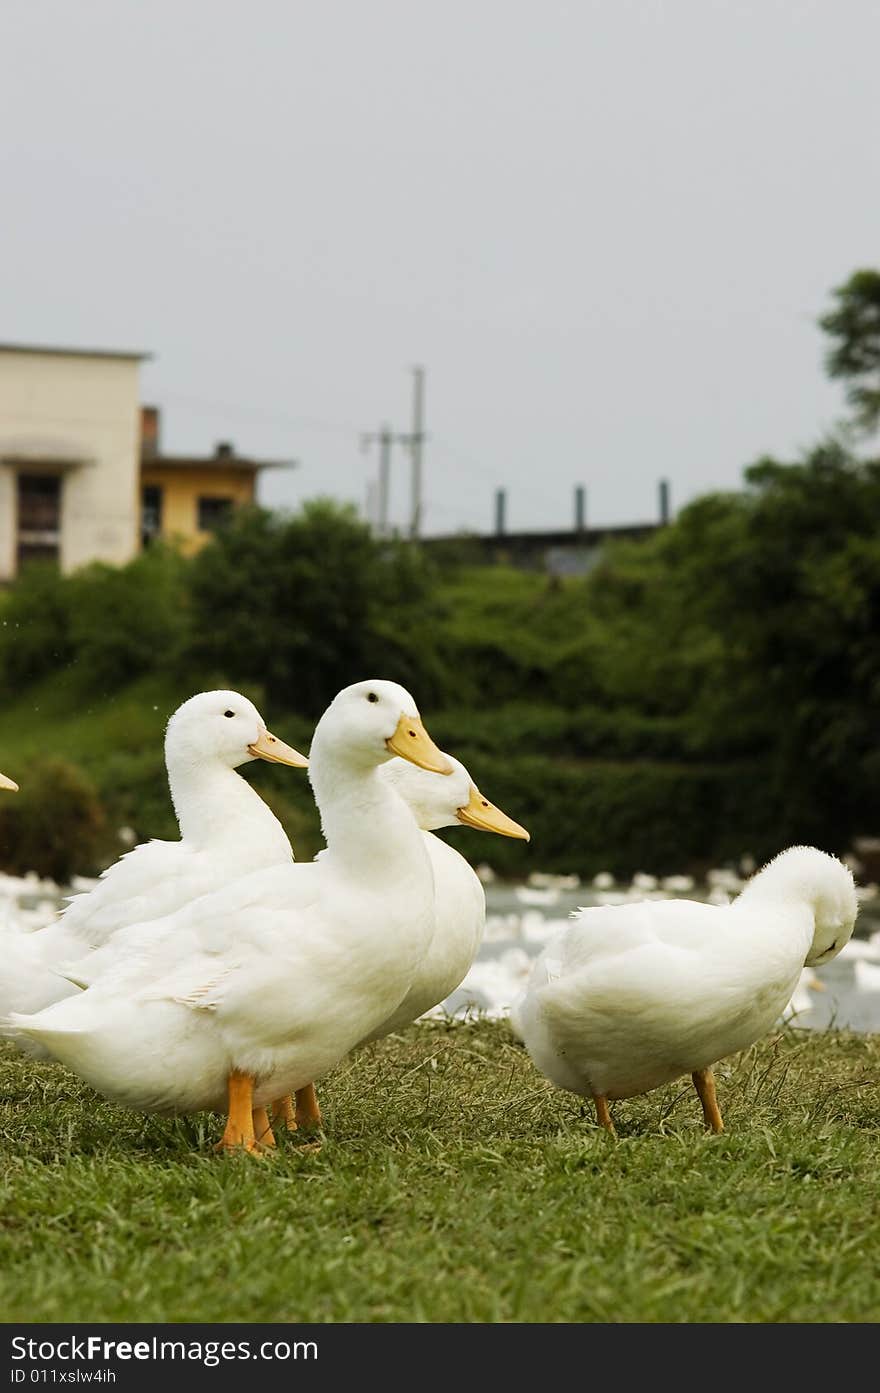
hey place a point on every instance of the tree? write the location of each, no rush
(305, 604)
(854, 327)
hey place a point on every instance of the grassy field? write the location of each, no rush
(453, 1184)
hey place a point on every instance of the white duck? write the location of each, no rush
(226, 830)
(259, 989)
(627, 998)
(435, 801)
(459, 897)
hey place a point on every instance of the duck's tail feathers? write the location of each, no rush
(17, 1024)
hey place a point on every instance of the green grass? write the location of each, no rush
(455, 1185)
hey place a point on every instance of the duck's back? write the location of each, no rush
(159, 877)
(630, 997)
(152, 880)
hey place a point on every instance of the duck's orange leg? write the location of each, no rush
(263, 1128)
(282, 1111)
(238, 1135)
(308, 1113)
(704, 1083)
(603, 1114)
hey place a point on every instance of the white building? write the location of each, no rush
(69, 456)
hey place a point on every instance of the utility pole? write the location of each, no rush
(415, 441)
(370, 504)
(384, 437)
(580, 508)
(500, 512)
(417, 438)
(664, 502)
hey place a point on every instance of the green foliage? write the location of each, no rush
(110, 623)
(34, 627)
(55, 825)
(712, 690)
(455, 1184)
(125, 621)
(854, 327)
(590, 816)
(306, 604)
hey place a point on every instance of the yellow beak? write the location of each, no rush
(479, 812)
(411, 741)
(8, 783)
(270, 748)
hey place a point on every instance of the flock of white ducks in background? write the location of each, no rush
(216, 973)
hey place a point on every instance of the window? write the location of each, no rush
(151, 513)
(39, 517)
(213, 512)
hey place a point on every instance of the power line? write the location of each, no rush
(258, 413)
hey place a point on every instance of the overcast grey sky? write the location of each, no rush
(606, 228)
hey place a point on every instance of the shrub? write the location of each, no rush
(34, 627)
(124, 621)
(306, 604)
(594, 816)
(55, 825)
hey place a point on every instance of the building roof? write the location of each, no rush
(131, 355)
(231, 462)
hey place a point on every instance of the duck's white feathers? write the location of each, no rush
(279, 989)
(283, 971)
(227, 831)
(630, 997)
(459, 922)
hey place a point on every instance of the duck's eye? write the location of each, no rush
(371, 696)
(228, 713)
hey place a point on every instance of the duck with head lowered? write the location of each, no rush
(252, 992)
(629, 997)
(226, 830)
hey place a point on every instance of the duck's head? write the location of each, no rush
(805, 875)
(368, 723)
(8, 783)
(223, 727)
(437, 801)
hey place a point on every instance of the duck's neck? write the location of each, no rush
(767, 892)
(215, 807)
(370, 833)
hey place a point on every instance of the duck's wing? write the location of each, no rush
(611, 931)
(192, 956)
(630, 962)
(146, 883)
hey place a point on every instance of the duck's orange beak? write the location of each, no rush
(270, 748)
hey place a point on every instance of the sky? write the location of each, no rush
(606, 229)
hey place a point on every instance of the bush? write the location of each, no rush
(111, 623)
(592, 732)
(124, 621)
(55, 825)
(586, 817)
(306, 604)
(34, 627)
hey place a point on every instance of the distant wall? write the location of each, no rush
(556, 553)
(181, 490)
(78, 416)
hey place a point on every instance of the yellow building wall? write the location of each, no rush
(181, 490)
